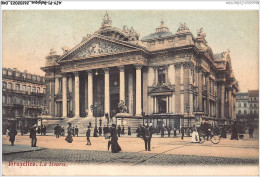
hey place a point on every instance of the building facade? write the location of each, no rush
(164, 77)
(253, 101)
(23, 96)
(242, 106)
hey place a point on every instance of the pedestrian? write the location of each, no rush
(195, 136)
(12, 133)
(100, 131)
(77, 131)
(138, 131)
(146, 134)
(234, 133)
(119, 130)
(106, 132)
(174, 132)
(73, 131)
(69, 136)
(123, 130)
(169, 131)
(115, 148)
(151, 129)
(129, 130)
(90, 124)
(162, 131)
(33, 135)
(39, 130)
(88, 136)
(95, 132)
(251, 131)
(223, 133)
(182, 132)
(56, 131)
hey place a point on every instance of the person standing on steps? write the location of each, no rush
(100, 131)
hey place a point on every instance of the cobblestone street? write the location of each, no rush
(165, 152)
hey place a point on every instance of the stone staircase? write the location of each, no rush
(81, 123)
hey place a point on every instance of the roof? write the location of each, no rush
(253, 93)
(242, 93)
(157, 35)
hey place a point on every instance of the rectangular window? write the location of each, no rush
(161, 76)
(24, 87)
(17, 87)
(4, 85)
(34, 89)
(44, 90)
(10, 85)
(9, 100)
(38, 90)
(3, 99)
(29, 89)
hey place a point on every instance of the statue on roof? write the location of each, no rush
(125, 28)
(106, 21)
(183, 27)
(201, 33)
(53, 51)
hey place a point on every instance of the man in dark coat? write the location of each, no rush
(100, 131)
(88, 136)
(33, 136)
(12, 133)
(251, 131)
(162, 131)
(73, 131)
(119, 131)
(77, 131)
(95, 132)
(234, 133)
(129, 130)
(114, 144)
(146, 134)
(169, 131)
(182, 132)
(56, 130)
(123, 130)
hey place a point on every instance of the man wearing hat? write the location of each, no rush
(33, 135)
(146, 134)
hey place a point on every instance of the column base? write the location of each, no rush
(138, 115)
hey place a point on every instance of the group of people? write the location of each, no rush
(59, 131)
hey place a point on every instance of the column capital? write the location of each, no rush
(121, 68)
(177, 65)
(76, 74)
(138, 66)
(106, 70)
(64, 75)
(89, 72)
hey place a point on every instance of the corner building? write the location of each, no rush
(163, 78)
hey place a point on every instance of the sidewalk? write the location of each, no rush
(8, 149)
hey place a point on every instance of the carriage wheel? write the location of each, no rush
(215, 139)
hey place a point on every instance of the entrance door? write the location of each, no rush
(114, 100)
(162, 104)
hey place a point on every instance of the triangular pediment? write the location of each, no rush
(98, 46)
(160, 88)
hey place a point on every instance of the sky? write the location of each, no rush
(28, 36)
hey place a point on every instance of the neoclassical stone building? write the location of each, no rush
(163, 78)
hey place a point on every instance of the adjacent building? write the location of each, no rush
(23, 96)
(242, 106)
(164, 78)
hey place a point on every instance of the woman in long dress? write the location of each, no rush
(69, 136)
(195, 136)
(114, 144)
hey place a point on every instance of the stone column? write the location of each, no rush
(230, 102)
(107, 94)
(64, 96)
(208, 93)
(182, 90)
(90, 93)
(200, 83)
(172, 81)
(122, 83)
(138, 90)
(150, 80)
(76, 94)
(86, 93)
(130, 93)
(190, 90)
(222, 101)
(56, 85)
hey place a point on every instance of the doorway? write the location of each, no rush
(114, 100)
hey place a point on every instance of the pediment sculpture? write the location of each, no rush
(100, 47)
